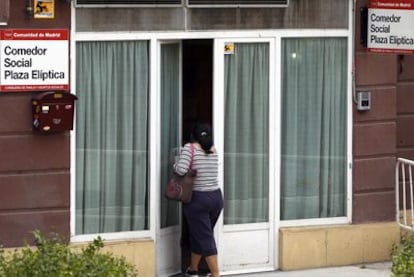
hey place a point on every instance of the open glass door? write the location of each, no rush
(243, 114)
(168, 251)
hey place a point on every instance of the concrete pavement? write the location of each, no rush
(365, 270)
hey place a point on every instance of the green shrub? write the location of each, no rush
(54, 258)
(403, 257)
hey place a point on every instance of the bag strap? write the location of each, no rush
(192, 155)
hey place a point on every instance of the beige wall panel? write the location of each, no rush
(300, 249)
(338, 245)
(345, 246)
(140, 253)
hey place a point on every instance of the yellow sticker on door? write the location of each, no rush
(229, 48)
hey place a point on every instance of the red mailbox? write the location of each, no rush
(53, 111)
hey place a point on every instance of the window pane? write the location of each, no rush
(246, 143)
(111, 136)
(314, 128)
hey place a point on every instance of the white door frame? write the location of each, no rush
(269, 229)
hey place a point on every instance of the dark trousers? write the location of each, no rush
(201, 216)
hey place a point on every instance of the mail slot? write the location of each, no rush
(53, 111)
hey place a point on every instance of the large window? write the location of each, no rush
(314, 128)
(112, 81)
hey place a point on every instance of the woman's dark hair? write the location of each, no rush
(203, 135)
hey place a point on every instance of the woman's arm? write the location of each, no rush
(183, 164)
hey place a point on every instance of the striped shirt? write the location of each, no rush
(205, 164)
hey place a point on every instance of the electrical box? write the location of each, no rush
(363, 100)
(53, 111)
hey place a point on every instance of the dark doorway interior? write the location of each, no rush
(197, 83)
(197, 106)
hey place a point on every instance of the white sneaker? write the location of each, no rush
(191, 273)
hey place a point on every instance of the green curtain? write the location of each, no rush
(246, 142)
(314, 128)
(170, 96)
(112, 85)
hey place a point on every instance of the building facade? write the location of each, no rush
(308, 179)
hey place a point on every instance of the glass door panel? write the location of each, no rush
(246, 136)
(170, 99)
(168, 233)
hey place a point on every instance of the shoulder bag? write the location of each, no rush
(180, 188)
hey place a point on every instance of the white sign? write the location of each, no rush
(34, 60)
(391, 26)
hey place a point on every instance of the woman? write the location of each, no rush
(207, 201)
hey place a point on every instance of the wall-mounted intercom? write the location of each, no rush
(363, 100)
(53, 111)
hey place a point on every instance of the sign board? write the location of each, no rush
(44, 9)
(34, 60)
(391, 26)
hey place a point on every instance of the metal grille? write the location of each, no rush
(128, 2)
(238, 2)
(190, 2)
